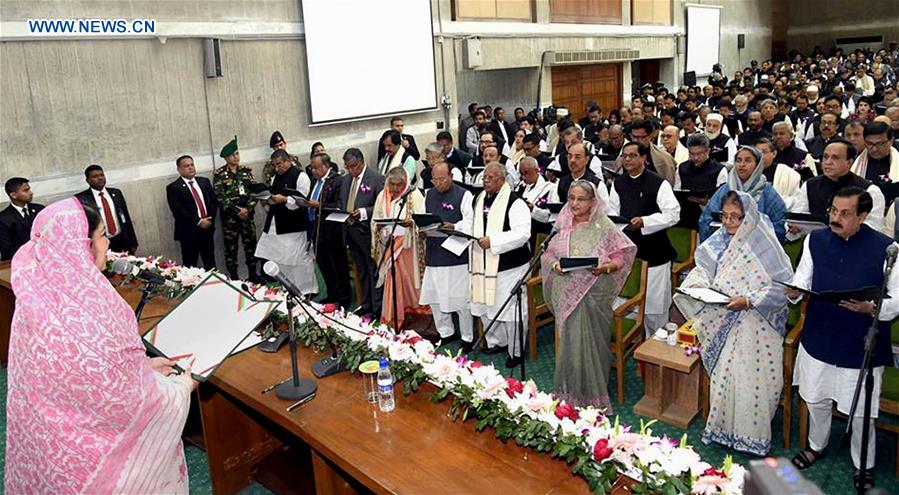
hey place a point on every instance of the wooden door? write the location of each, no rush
(574, 85)
(649, 72)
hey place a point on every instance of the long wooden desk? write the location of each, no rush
(354, 447)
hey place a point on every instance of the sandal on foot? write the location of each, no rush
(863, 479)
(806, 458)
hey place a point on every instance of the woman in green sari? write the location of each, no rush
(582, 300)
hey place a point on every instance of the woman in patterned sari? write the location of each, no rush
(582, 300)
(741, 341)
(87, 411)
(408, 247)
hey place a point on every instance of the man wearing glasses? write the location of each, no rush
(851, 256)
(816, 194)
(830, 122)
(879, 162)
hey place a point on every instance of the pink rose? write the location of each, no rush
(513, 387)
(714, 472)
(415, 339)
(601, 450)
(475, 364)
(329, 308)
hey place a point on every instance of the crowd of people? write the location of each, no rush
(452, 231)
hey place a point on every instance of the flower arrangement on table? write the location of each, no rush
(597, 448)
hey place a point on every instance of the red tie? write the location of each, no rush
(107, 215)
(197, 200)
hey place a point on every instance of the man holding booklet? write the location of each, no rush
(852, 256)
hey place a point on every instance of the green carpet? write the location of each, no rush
(840, 481)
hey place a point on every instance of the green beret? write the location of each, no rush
(229, 148)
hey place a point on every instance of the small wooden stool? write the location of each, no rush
(673, 383)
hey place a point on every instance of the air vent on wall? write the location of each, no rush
(593, 56)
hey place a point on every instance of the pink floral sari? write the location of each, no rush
(85, 412)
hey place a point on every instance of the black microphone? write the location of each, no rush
(892, 251)
(127, 268)
(273, 270)
(407, 193)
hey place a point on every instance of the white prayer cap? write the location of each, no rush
(554, 166)
(811, 87)
(562, 112)
(714, 116)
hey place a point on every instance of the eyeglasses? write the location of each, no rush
(731, 217)
(881, 144)
(832, 211)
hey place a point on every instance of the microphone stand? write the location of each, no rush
(146, 293)
(866, 375)
(295, 388)
(516, 291)
(390, 241)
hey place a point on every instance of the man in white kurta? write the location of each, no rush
(445, 287)
(498, 260)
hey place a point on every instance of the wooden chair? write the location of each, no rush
(684, 241)
(795, 322)
(538, 314)
(627, 333)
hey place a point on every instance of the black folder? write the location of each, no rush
(573, 264)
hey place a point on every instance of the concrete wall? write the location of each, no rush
(819, 22)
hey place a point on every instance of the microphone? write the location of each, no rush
(892, 251)
(125, 267)
(273, 270)
(407, 193)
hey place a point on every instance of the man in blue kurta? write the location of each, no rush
(849, 255)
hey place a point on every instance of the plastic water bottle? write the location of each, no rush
(385, 387)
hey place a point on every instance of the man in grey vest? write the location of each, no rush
(446, 283)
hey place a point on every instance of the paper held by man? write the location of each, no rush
(213, 322)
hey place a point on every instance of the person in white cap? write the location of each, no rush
(722, 147)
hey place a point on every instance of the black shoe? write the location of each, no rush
(446, 340)
(495, 350)
(514, 362)
(467, 347)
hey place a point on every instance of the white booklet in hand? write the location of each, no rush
(456, 245)
(708, 296)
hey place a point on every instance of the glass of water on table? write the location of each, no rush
(369, 370)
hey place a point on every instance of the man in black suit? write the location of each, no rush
(454, 156)
(326, 235)
(500, 127)
(16, 219)
(408, 142)
(110, 202)
(193, 204)
(358, 191)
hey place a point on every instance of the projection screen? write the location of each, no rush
(368, 58)
(703, 38)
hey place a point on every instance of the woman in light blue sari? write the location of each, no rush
(742, 342)
(747, 176)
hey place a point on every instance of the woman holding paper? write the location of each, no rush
(408, 247)
(582, 300)
(741, 340)
(87, 411)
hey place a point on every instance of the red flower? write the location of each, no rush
(513, 387)
(329, 308)
(475, 364)
(564, 410)
(415, 339)
(601, 450)
(714, 472)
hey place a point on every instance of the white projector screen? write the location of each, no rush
(367, 58)
(703, 38)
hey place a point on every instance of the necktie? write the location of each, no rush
(27, 216)
(316, 191)
(200, 206)
(351, 201)
(107, 217)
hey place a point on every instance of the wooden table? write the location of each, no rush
(672, 383)
(351, 447)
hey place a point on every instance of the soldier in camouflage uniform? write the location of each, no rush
(277, 142)
(231, 184)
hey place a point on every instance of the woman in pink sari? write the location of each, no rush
(87, 411)
(408, 247)
(582, 300)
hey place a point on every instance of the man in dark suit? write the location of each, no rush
(110, 202)
(326, 235)
(358, 191)
(454, 156)
(500, 127)
(408, 142)
(193, 205)
(16, 219)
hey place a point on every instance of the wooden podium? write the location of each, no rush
(673, 383)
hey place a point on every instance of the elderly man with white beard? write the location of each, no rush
(721, 147)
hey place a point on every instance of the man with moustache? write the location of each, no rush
(192, 202)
